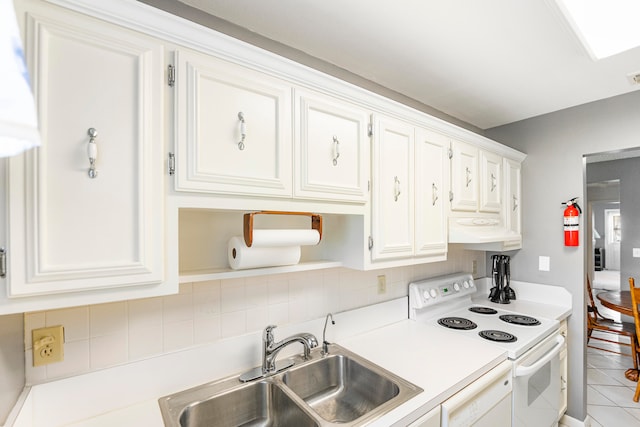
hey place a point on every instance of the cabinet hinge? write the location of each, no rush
(171, 75)
(370, 242)
(171, 164)
(450, 153)
(3, 262)
(370, 129)
(451, 196)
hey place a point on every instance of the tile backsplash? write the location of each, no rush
(104, 335)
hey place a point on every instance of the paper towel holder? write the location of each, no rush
(316, 222)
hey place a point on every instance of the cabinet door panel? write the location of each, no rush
(216, 102)
(464, 177)
(431, 192)
(332, 150)
(393, 199)
(490, 182)
(68, 231)
(512, 204)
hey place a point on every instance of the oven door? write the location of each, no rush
(536, 384)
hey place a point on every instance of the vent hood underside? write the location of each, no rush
(483, 234)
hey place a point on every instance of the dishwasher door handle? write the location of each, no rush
(522, 371)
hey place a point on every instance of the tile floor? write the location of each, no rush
(609, 394)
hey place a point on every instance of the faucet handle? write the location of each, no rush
(267, 335)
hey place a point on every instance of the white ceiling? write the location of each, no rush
(488, 62)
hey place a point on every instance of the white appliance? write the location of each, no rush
(532, 345)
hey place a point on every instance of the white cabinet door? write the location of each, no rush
(490, 182)
(430, 419)
(512, 202)
(233, 128)
(393, 198)
(464, 177)
(68, 231)
(332, 149)
(431, 191)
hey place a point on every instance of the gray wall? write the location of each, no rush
(553, 172)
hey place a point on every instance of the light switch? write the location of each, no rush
(636, 252)
(544, 263)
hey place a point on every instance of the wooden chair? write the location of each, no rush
(597, 322)
(635, 299)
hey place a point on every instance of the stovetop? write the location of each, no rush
(450, 296)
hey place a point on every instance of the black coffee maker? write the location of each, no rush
(501, 292)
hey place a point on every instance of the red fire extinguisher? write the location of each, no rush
(572, 222)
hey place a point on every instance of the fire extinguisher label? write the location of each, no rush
(571, 223)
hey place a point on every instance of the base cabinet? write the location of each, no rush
(430, 419)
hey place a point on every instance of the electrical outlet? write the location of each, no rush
(48, 345)
(382, 284)
(474, 267)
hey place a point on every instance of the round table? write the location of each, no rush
(619, 301)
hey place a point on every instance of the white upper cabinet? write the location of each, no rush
(410, 189)
(431, 193)
(512, 195)
(490, 182)
(233, 128)
(464, 177)
(393, 193)
(71, 229)
(332, 149)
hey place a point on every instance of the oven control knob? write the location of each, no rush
(471, 283)
(433, 293)
(456, 287)
(426, 295)
(465, 284)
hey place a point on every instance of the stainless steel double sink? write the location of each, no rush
(340, 388)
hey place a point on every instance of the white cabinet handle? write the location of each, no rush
(243, 130)
(434, 194)
(514, 202)
(336, 150)
(396, 188)
(493, 182)
(92, 152)
(468, 173)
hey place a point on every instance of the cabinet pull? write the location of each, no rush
(92, 151)
(396, 188)
(493, 182)
(434, 194)
(336, 150)
(3, 262)
(243, 130)
(468, 173)
(514, 202)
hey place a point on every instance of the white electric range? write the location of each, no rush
(532, 344)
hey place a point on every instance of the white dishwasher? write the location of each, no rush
(484, 403)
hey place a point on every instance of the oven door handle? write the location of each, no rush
(522, 371)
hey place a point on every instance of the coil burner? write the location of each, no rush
(499, 336)
(457, 323)
(520, 319)
(483, 310)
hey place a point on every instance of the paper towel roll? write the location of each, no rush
(242, 257)
(281, 238)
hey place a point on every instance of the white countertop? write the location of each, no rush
(127, 395)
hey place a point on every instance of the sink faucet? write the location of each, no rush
(325, 343)
(270, 349)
